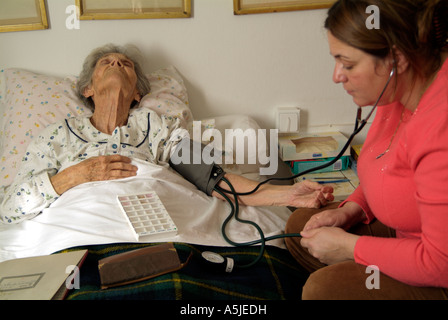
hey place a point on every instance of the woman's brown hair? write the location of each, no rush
(418, 28)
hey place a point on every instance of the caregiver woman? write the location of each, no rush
(397, 219)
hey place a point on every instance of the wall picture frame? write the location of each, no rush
(241, 7)
(133, 9)
(23, 15)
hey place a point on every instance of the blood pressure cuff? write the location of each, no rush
(187, 160)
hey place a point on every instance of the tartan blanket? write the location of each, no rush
(277, 276)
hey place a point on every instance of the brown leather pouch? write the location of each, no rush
(138, 265)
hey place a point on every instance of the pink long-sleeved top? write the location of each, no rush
(407, 189)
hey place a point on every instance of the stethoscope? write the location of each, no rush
(227, 264)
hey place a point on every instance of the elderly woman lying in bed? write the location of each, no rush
(101, 147)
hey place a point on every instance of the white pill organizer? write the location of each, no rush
(147, 216)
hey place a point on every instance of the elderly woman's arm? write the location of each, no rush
(40, 180)
(93, 169)
(31, 190)
(304, 194)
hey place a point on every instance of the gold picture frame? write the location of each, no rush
(241, 7)
(23, 15)
(133, 9)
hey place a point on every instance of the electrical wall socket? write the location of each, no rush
(288, 119)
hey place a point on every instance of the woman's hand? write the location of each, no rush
(324, 235)
(303, 194)
(329, 244)
(343, 217)
(93, 169)
(105, 168)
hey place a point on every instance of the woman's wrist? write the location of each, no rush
(63, 181)
(354, 213)
(350, 246)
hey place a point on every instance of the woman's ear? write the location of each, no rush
(137, 96)
(401, 63)
(88, 92)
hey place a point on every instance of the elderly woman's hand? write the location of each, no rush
(99, 168)
(308, 194)
(304, 194)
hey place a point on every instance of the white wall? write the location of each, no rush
(231, 64)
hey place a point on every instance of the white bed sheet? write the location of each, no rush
(89, 214)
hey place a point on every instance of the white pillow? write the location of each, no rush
(31, 101)
(168, 95)
(251, 162)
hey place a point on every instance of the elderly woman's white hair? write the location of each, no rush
(130, 51)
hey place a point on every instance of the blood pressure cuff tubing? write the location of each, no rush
(205, 176)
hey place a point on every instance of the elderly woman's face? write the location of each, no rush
(114, 71)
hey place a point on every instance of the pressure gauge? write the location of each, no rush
(217, 261)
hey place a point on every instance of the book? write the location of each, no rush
(40, 278)
(355, 151)
(298, 166)
(343, 182)
(312, 146)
